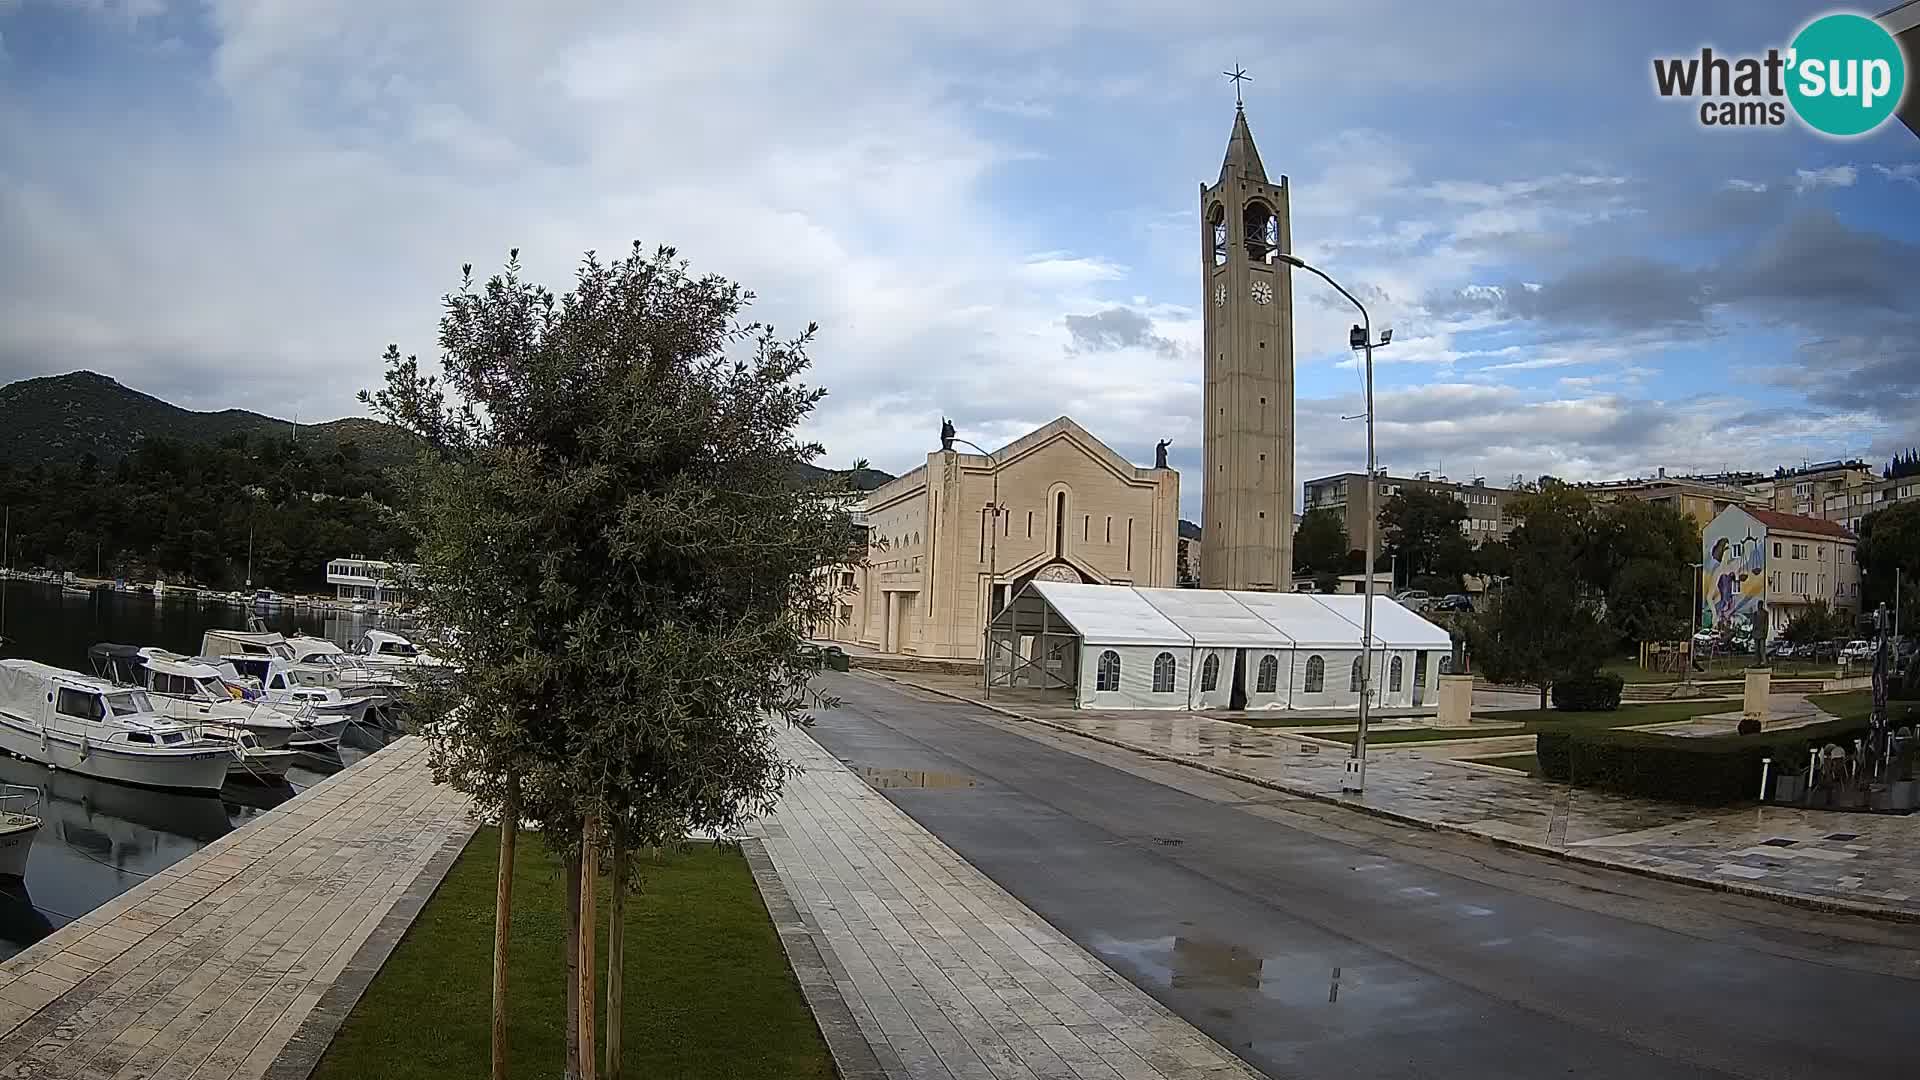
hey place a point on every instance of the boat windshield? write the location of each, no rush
(213, 689)
(129, 702)
(282, 650)
(320, 659)
(310, 678)
(398, 648)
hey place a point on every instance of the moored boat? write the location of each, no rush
(194, 693)
(19, 825)
(89, 726)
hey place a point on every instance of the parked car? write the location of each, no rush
(1857, 650)
(1454, 602)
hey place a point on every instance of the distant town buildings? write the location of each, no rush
(370, 579)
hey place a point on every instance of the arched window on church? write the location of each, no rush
(1263, 232)
(1217, 225)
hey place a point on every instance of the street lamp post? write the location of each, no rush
(1695, 597)
(1361, 339)
(993, 566)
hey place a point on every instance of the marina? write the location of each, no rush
(234, 737)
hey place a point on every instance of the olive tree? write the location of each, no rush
(620, 565)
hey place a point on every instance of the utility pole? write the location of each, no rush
(993, 568)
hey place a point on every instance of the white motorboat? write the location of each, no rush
(386, 649)
(251, 761)
(194, 693)
(321, 708)
(19, 825)
(353, 678)
(89, 726)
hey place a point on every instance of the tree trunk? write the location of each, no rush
(573, 966)
(1543, 696)
(502, 925)
(616, 948)
(589, 934)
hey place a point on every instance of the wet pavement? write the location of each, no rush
(1422, 783)
(1314, 942)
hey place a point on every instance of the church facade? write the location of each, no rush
(1071, 509)
(1247, 507)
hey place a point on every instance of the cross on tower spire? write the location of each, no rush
(1238, 75)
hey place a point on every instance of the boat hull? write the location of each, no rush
(195, 769)
(320, 730)
(16, 843)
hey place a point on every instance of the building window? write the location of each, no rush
(1109, 538)
(1316, 675)
(1395, 674)
(1776, 549)
(1739, 550)
(1029, 524)
(1210, 673)
(1163, 673)
(1107, 674)
(1269, 680)
(1353, 681)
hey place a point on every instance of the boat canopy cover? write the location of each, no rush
(118, 652)
(25, 685)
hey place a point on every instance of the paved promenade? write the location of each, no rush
(210, 968)
(1862, 863)
(947, 976)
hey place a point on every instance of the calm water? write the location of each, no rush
(98, 839)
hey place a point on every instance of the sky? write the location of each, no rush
(990, 208)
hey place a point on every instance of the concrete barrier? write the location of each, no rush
(1754, 701)
(1456, 700)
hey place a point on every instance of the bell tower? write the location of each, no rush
(1247, 510)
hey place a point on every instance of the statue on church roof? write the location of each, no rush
(946, 434)
(1160, 453)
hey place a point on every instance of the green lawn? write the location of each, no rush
(1725, 667)
(1534, 721)
(708, 990)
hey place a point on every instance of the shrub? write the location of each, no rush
(1551, 748)
(1709, 771)
(1590, 693)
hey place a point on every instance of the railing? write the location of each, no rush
(12, 794)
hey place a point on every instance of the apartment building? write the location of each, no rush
(1346, 493)
(1699, 497)
(1752, 556)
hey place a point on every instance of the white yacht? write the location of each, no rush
(19, 824)
(354, 678)
(70, 721)
(384, 648)
(313, 694)
(193, 692)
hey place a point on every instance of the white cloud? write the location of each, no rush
(1746, 185)
(1833, 176)
(1909, 172)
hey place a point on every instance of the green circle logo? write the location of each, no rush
(1847, 74)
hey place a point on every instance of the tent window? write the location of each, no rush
(1210, 673)
(1107, 674)
(1269, 680)
(1316, 675)
(1396, 674)
(1163, 673)
(1353, 682)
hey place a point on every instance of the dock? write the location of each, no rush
(240, 960)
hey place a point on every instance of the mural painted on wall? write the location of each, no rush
(1735, 572)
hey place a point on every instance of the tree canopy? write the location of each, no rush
(183, 511)
(1320, 543)
(1421, 528)
(1889, 550)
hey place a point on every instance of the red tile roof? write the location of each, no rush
(1774, 519)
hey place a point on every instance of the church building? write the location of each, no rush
(1070, 509)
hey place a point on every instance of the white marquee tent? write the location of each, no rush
(1121, 647)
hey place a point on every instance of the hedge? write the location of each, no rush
(1599, 692)
(1710, 771)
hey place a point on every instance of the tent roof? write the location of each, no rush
(1394, 626)
(1125, 615)
(1213, 617)
(1108, 614)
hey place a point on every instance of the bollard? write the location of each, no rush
(1766, 770)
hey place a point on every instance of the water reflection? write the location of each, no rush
(883, 779)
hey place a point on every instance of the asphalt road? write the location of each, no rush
(1316, 942)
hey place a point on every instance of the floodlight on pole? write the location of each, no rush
(1361, 339)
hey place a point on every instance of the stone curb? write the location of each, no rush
(807, 951)
(1800, 900)
(309, 1043)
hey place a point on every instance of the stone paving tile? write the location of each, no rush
(206, 969)
(1874, 870)
(946, 974)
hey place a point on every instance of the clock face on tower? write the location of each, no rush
(1263, 292)
(1220, 294)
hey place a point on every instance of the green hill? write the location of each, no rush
(62, 418)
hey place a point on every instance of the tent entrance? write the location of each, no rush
(1237, 698)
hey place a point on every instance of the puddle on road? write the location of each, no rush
(884, 779)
